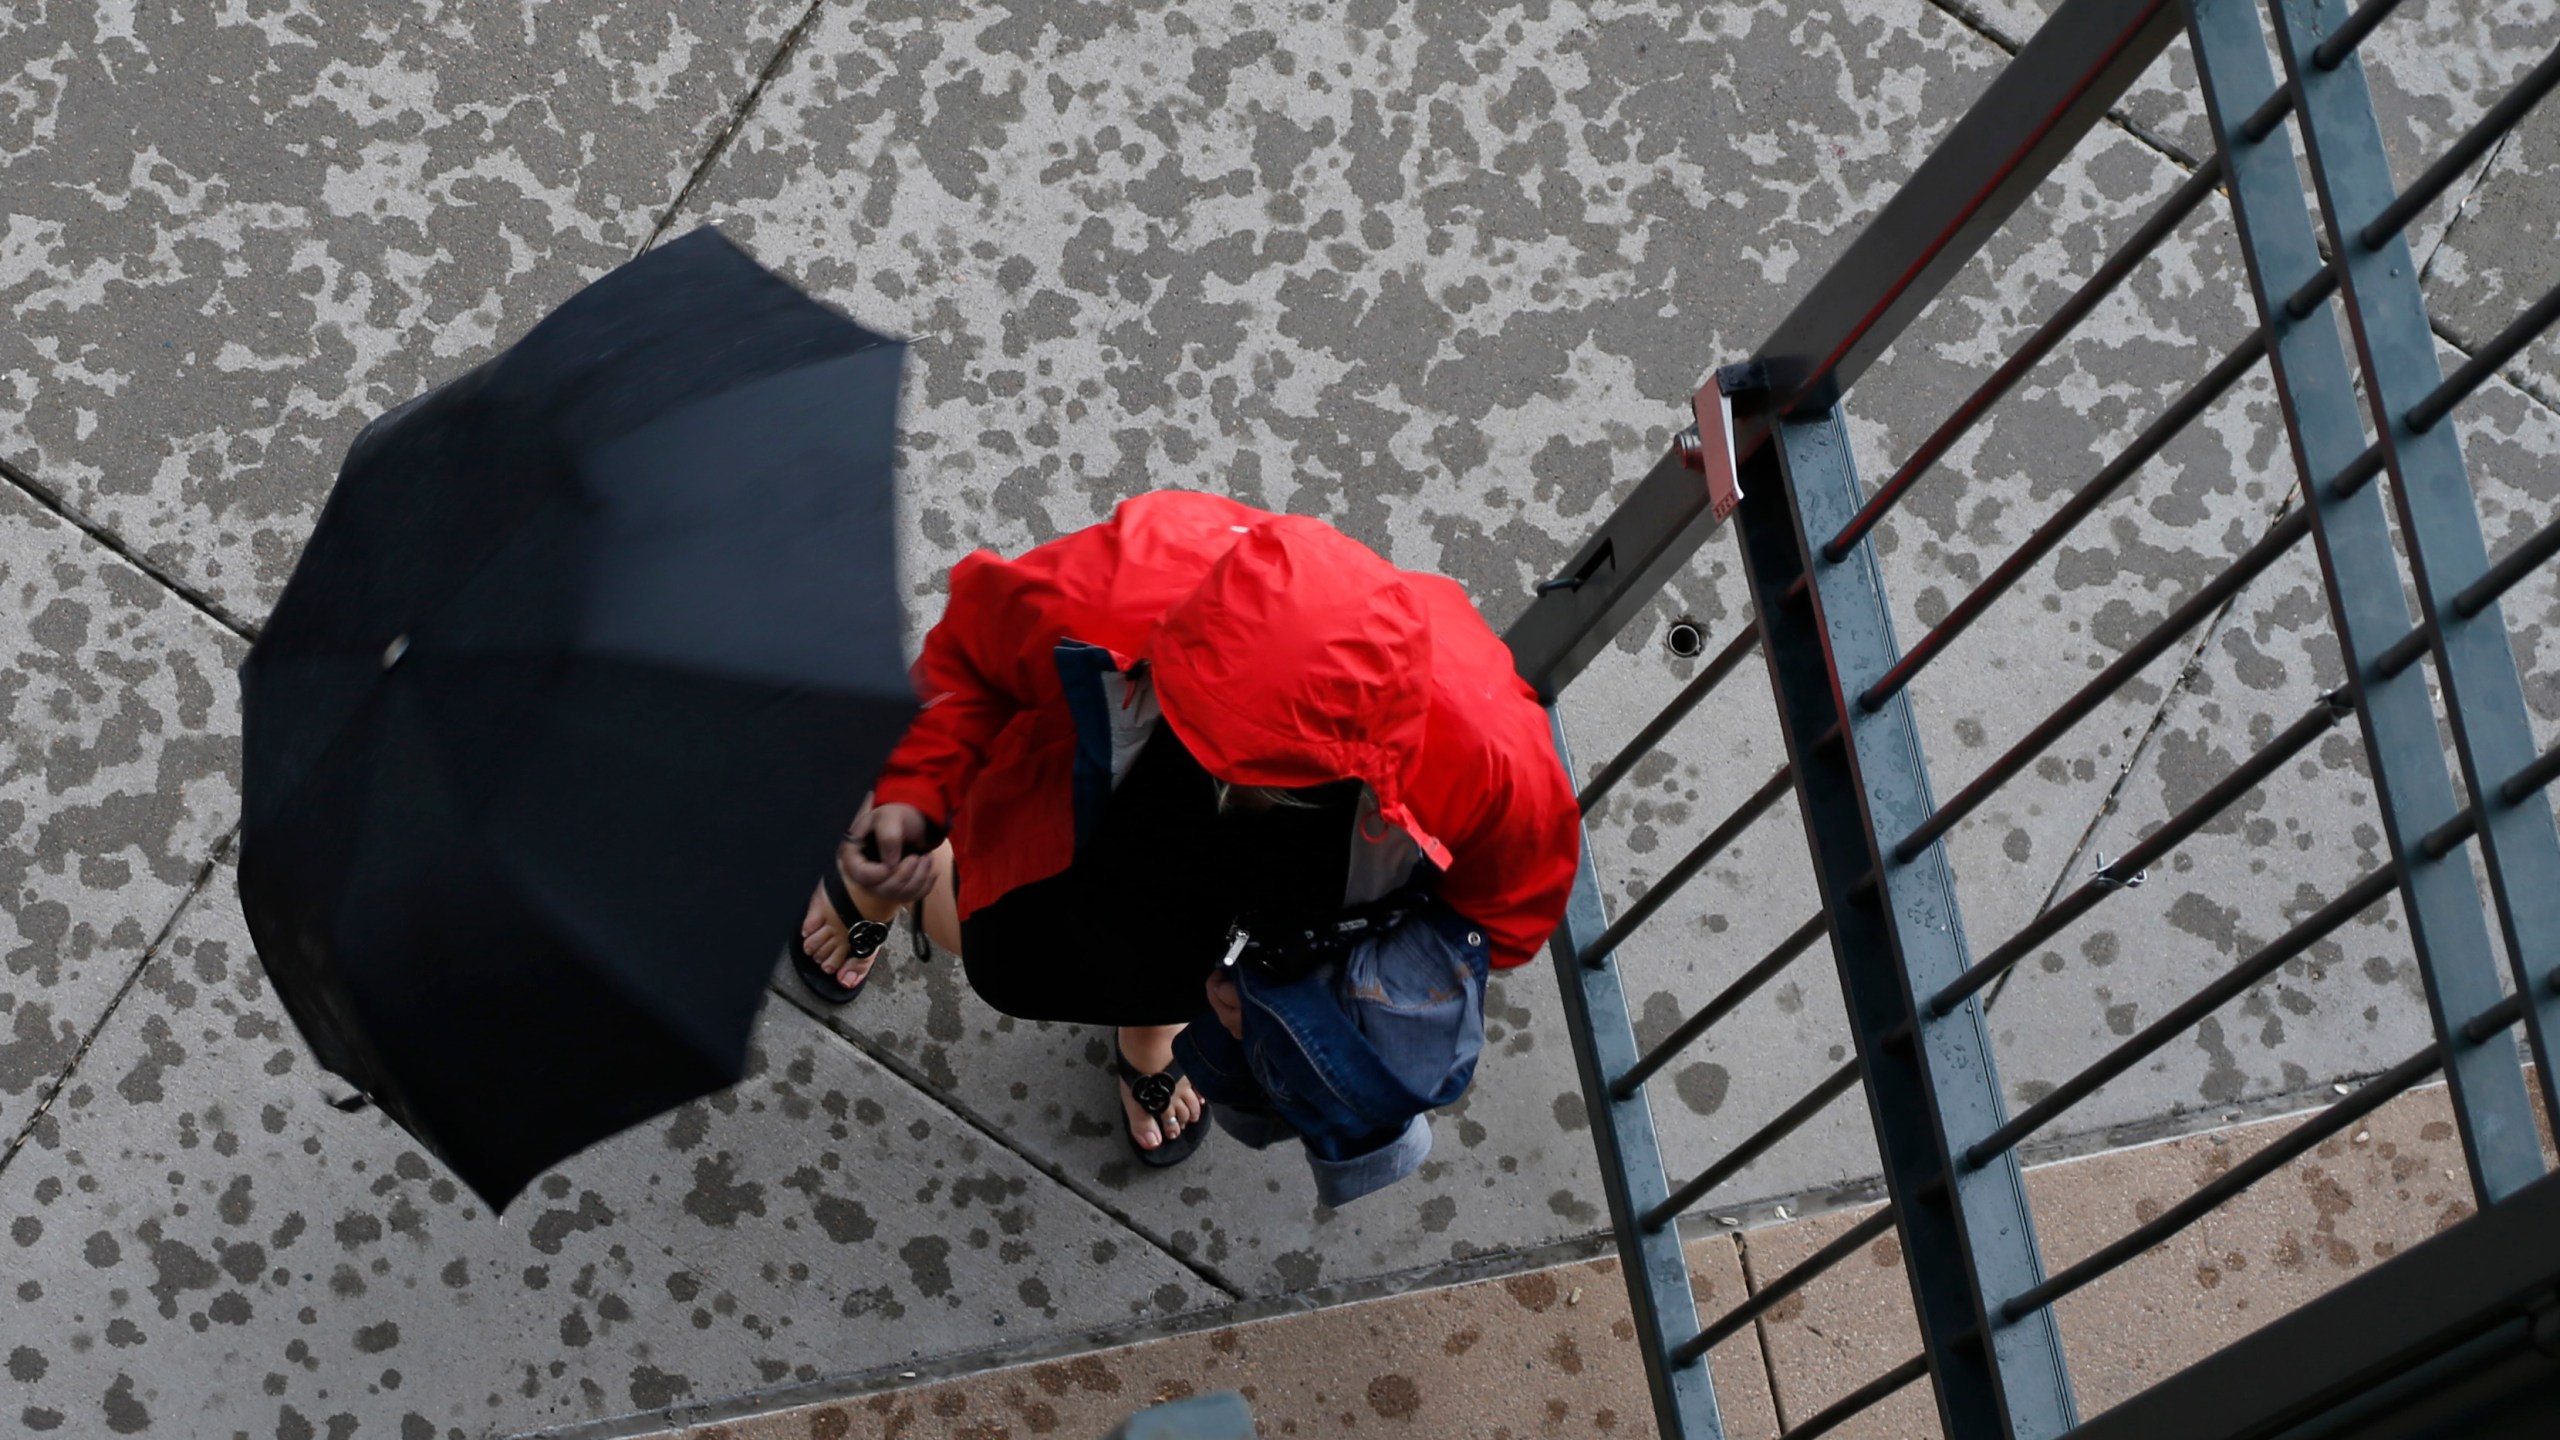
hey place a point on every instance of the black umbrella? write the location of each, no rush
(582, 672)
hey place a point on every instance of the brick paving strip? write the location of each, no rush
(1547, 1351)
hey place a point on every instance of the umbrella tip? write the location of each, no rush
(392, 652)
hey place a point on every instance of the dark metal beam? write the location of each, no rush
(2066, 318)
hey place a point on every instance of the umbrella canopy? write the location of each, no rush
(583, 671)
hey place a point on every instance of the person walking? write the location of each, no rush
(1201, 762)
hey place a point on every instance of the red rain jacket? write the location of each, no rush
(1282, 653)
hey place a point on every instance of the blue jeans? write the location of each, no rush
(1349, 1057)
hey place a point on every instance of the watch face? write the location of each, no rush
(864, 936)
(1154, 1092)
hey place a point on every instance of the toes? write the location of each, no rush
(1142, 1126)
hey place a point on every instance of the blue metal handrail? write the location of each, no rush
(1855, 766)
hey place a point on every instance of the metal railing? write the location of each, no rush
(1821, 623)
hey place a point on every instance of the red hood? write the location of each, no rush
(1302, 658)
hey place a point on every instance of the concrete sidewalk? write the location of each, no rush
(1547, 1352)
(1442, 275)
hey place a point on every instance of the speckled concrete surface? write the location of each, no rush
(1541, 1353)
(1510, 1168)
(201, 1246)
(1466, 1362)
(1440, 273)
(2352, 1202)
(2352, 1003)
(2498, 258)
(2432, 69)
(235, 232)
(119, 774)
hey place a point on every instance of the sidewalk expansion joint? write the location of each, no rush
(61, 1082)
(1752, 1285)
(905, 1374)
(52, 500)
(738, 114)
(2512, 372)
(995, 1135)
(2461, 208)
(2177, 687)
(1973, 20)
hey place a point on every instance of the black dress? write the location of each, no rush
(1127, 934)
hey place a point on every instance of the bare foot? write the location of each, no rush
(826, 938)
(1149, 1050)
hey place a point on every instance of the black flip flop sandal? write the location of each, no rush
(1154, 1094)
(864, 937)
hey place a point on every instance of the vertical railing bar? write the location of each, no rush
(2154, 437)
(2101, 283)
(2312, 292)
(2404, 652)
(2500, 1016)
(1662, 1304)
(2351, 34)
(2532, 777)
(1811, 1268)
(2496, 121)
(2523, 331)
(2457, 961)
(2431, 489)
(2189, 614)
(2366, 465)
(2221, 991)
(1733, 1162)
(2511, 790)
(1672, 714)
(1856, 1402)
(2367, 1098)
(2501, 577)
(2262, 122)
(2127, 868)
(1731, 996)
(1771, 791)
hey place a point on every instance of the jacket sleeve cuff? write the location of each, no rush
(903, 790)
